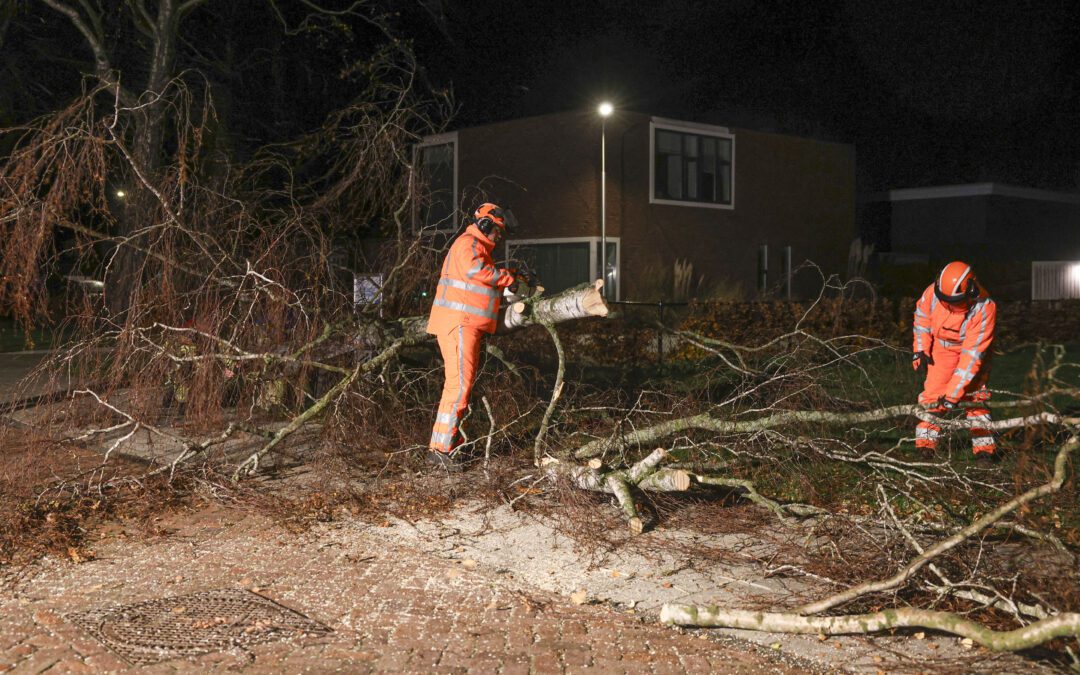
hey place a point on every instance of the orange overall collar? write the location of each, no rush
(475, 231)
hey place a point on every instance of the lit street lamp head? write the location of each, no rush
(605, 109)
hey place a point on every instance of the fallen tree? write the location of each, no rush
(606, 465)
(650, 475)
(244, 335)
(580, 302)
(1025, 637)
(709, 422)
(798, 621)
(576, 303)
(242, 322)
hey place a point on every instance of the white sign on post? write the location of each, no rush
(367, 289)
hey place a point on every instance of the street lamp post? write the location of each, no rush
(605, 111)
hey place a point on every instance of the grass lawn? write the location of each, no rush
(1026, 454)
(895, 382)
(884, 378)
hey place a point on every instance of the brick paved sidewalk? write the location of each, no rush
(391, 609)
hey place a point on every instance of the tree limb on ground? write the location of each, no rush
(1032, 635)
(1067, 624)
(708, 422)
(1050, 487)
(556, 392)
(648, 474)
(580, 302)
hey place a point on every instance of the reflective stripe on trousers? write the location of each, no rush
(461, 355)
(982, 438)
(926, 435)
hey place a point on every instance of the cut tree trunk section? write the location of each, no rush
(579, 302)
(649, 475)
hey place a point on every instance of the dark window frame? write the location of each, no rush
(689, 163)
(452, 220)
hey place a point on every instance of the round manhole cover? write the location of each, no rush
(189, 625)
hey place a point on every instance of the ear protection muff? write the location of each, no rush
(489, 217)
(969, 290)
(487, 224)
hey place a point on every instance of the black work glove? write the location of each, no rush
(920, 361)
(522, 277)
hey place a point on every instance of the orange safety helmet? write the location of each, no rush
(489, 216)
(956, 284)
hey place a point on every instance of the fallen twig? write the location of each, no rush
(1032, 635)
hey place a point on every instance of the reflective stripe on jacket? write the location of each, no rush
(469, 286)
(970, 332)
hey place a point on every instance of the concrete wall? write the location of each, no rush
(934, 224)
(989, 226)
(788, 192)
(1037, 230)
(999, 235)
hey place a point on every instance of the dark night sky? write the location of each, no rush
(930, 92)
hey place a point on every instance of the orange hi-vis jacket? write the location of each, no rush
(965, 334)
(469, 286)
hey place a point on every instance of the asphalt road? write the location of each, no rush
(15, 367)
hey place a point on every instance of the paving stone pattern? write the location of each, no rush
(391, 608)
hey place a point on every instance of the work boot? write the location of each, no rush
(986, 459)
(450, 462)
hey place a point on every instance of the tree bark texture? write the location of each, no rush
(706, 422)
(576, 303)
(1032, 635)
(648, 474)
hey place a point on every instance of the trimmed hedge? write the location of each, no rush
(752, 323)
(630, 338)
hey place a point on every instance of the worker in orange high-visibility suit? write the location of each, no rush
(953, 331)
(466, 306)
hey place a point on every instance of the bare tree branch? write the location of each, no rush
(1033, 635)
(94, 39)
(945, 545)
(189, 5)
(141, 18)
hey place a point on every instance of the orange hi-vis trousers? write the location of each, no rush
(938, 376)
(461, 355)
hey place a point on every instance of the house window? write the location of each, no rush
(436, 159)
(560, 264)
(692, 166)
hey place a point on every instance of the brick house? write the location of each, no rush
(730, 201)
